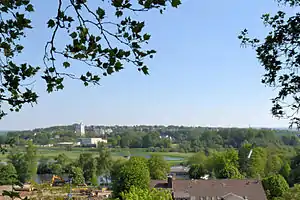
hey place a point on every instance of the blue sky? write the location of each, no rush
(200, 75)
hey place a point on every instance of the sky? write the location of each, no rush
(200, 75)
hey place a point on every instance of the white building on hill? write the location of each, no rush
(80, 129)
(91, 141)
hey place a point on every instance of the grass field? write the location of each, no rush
(50, 152)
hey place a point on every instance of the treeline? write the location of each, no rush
(159, 138)
(23, 166)
(199, 139)
(279, 168)
(132, 139)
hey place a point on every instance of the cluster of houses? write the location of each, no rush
(82, 142)
(182, 188)
(228, 189)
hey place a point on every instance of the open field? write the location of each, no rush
(50, 152)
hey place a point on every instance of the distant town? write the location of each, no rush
(237, 163)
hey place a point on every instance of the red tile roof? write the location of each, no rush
(206, 189)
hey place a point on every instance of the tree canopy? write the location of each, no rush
(275, 186)
(134, 172)
(279, 54)
(153, 194)
(292, 194)
(158, 166)
(103, 43)
(8, 174)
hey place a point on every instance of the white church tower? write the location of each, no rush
(80, 129)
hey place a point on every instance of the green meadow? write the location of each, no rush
(173, 158)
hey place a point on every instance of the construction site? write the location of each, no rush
(57, 189)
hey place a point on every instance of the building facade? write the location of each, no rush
(80, 129)
(91, 142)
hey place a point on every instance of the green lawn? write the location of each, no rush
(51, 152)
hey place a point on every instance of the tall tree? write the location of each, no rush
(275, 186)
(76, 174)
(103, 161)
(100, 41)
(18, 160)
(134, 172)
(257, 163)
(31, 159)
(244, 161)
(88, 165)
(279, 54)
(220, 161)
(158, 167)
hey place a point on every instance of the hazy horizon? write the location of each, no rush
(131, 125)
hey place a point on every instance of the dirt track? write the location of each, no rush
(48, 195)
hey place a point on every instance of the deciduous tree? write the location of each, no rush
(136, 193)
(196, 171)
(275, 185)
(279, 54)
(88, 165)
(257, 163)
(134, 172)
(103, 161)
(292, 194)
(18, 160)
(8, 174)
(158, 167)
(76, 174)
(103, 43)
(31, 159)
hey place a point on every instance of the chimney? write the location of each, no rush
(170, 182)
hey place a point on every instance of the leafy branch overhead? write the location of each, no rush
(103, 43)
(279, 54)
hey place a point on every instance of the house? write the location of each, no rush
(180, 171)
(229, 189)
(91, 142)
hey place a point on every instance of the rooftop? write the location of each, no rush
(215, 189)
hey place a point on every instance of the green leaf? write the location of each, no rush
(145, 70)
(88, 74)
(100, 12)
(110, 70)
(148, 3)
(118, 66)
(176, 3)
(51, 23)
(51, 69)
(73, 35)
(119, 13)
(66, 64)
(146, 36)
(25, 2)
(29, 8)
(117, 3)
